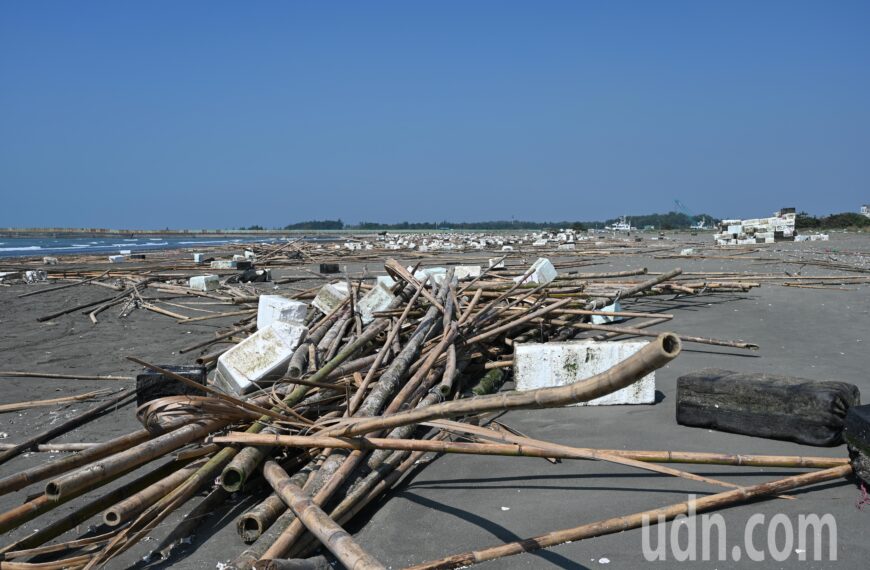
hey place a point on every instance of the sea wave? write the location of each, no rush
(203, 242)
(138, 244)
(27, 248)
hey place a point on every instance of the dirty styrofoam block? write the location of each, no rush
(204, 282)
(604, 319)
(466, 272)
(330, 296)
(378, 299)
(272, 308)
(560, 363)
(260, 358)
(542, 273)
(250, 255)
(237, 257)
(117, 258)
(49, 260)
(496, 262)
(223, 264)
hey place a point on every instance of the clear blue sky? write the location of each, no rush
(218, 114)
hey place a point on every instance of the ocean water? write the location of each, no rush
(24, 247)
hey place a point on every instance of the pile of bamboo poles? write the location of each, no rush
(358, 406)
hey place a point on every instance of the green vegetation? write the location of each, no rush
(317, 225)
(669, 221)
(832, 222)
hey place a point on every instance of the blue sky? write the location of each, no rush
(220, 114)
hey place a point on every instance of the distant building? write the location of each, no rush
(865, 209)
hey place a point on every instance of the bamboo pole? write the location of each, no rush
(44, 471)
(131, 506)
(85, 512)
(54, 447)
(64, 485)
(651, 357)
(50, 402)
(511, 450)
(397, 327)
(72, 423)
(15, 374)
(623, 523)
(333, 537)
(236, 473)
(59, 287)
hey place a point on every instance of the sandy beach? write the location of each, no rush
(455, 503)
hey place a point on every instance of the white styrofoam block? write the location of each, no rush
(204, 282)
(495, 263)
(566, 246)
(385, 280)
(250, 255)
(542, 272)
(260, 358)
(561, 363)
(49, 260)
(378, 299)
(237, 257)
(117, 258)
(35, 276)
(198, 257)
(466, 272)
(687, 251)
(604, 319)
(329, 297)
(272, 308)
(223, 264)
(437, 275)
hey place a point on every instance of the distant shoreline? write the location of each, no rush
(122, 233)
(114, 233)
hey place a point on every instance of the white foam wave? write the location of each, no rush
(28, 248)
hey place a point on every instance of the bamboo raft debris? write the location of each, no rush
(360, 401)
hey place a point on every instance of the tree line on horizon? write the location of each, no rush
(670, 220)
(666, 221)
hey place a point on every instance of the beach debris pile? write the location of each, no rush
(327, 395)
(779, 227)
